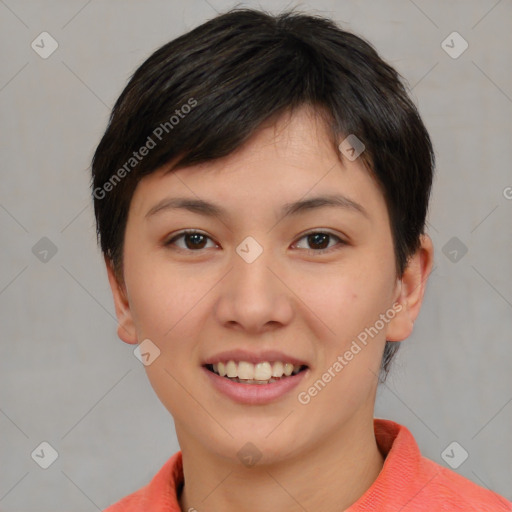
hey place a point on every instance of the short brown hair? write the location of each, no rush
(207, 92)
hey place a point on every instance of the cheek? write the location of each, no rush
(164, 303)
(162, 298)
(348, 298)
(164, 308)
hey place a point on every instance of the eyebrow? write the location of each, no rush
(209, 209)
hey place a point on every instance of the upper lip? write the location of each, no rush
(253, 357)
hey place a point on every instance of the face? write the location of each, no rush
(259, 281)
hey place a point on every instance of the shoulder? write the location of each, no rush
(409, 481)
(160, 494)
(446, 490)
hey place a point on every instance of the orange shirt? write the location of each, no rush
(408, 482)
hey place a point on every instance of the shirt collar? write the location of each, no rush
(401, 476)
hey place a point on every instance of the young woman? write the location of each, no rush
(260, 196)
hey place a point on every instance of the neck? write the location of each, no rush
(329, 477)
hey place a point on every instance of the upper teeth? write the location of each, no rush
(260, 371)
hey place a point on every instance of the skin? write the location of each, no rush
(193, 303)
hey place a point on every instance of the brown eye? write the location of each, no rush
(318, 242)
(193, 240)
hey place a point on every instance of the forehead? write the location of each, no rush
(291, 158)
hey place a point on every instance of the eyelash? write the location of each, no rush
(315, 252)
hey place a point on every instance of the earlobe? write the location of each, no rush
(410, 291)
(125, 326)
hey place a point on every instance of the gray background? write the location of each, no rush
(65, 377)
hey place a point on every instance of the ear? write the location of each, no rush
(410, 291)
(125, 327)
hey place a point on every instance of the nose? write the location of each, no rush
(253, 296)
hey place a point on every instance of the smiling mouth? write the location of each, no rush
(244, 372)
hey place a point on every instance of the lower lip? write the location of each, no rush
(254, 394)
